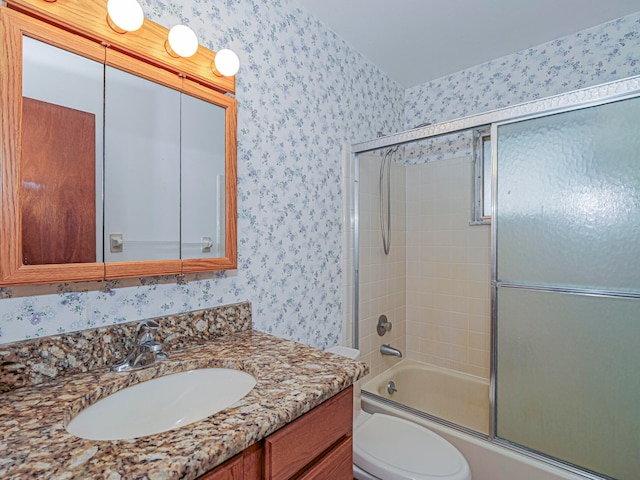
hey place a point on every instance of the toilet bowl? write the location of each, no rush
(391, 448)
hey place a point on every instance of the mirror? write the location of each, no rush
(62, 132)
(124, 169)
(164, 162)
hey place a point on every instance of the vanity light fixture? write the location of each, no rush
(181, 42)
(124, 15)
(226, 63)
(127, 16)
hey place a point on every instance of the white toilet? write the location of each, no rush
(391, 448)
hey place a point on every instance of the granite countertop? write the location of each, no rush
(291, 379)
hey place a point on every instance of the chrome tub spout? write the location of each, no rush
(387, 349)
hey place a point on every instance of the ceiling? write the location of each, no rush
(415, 41)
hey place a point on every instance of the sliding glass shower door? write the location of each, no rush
(567, 286)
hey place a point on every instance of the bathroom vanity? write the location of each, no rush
(317, 445)
(295, 423)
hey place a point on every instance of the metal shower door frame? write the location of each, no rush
(574, 100)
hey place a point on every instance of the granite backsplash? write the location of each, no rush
(41, 360)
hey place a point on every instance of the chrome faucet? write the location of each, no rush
(387, 349)
(146, 350)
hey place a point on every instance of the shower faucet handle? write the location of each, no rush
(384, 325)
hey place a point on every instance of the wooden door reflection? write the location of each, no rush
(57, 184)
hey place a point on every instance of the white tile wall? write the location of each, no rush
(382, 277)
(448, 269)
(435, 284)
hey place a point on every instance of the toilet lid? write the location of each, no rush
(392, 448)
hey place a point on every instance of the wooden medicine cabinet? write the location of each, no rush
(117, 159)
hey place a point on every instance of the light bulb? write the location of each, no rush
(226, 63)
(182, 41)
(124, 15)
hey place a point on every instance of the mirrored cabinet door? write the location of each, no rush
(203, 179)
(208, 156)
(46, 168)
(61, 168)
(142, 169)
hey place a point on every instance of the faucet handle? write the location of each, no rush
(384, 325)
(150, 347)
(146, 350)
(146, 337)
(146, 331)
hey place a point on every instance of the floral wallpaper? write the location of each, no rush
(445, 147)
(607, 52)
(302, 92)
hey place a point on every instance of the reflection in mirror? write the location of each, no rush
(164, 172)
(203, 179)
(164, 165)
(142, 169)
(61, 156)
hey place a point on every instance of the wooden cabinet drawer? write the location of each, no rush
(297, 445)
(336, 465)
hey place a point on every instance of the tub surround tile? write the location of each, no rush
(291, 379)
(42, 360)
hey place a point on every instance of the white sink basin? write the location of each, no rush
(162, 404)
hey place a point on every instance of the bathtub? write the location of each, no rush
(452, 396)
(458, 399)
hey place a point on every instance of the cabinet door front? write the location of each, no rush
(298, 445)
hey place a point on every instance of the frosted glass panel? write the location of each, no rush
(568, 380)
(569, 198)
